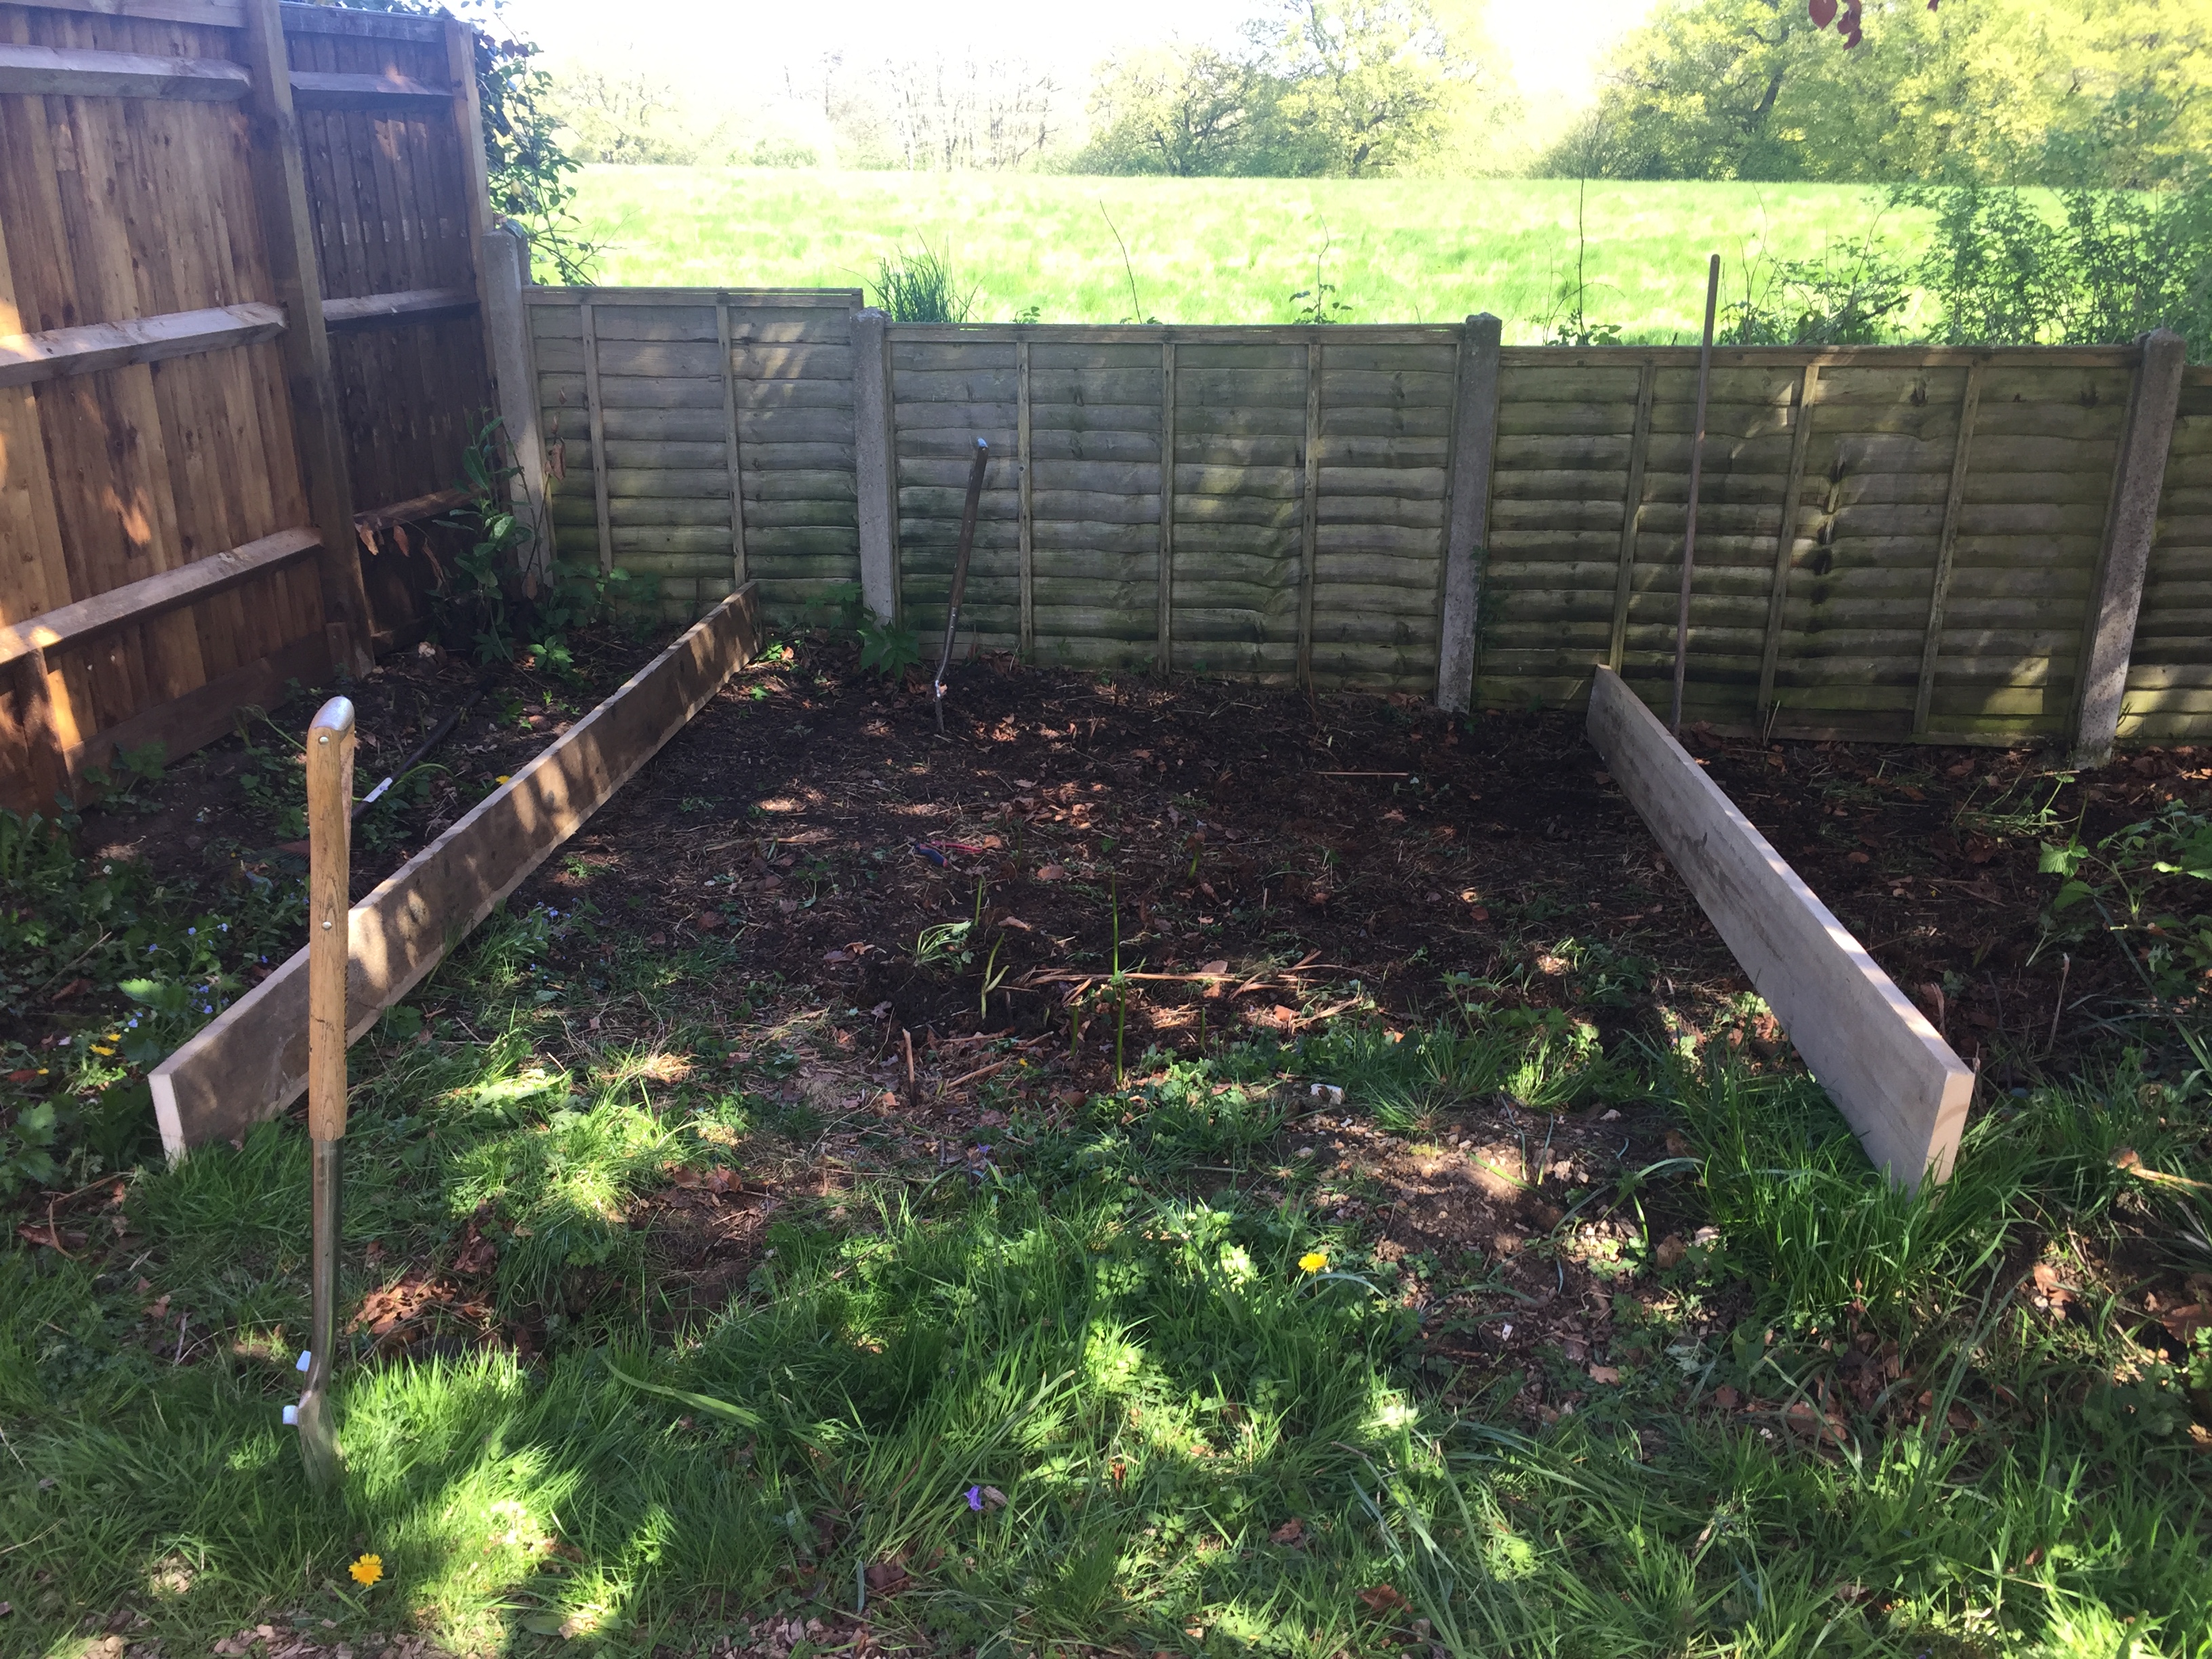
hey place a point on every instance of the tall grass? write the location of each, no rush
(1234, 250)
(921, 288)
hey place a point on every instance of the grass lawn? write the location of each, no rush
(1228, 250)
(1342, 1294)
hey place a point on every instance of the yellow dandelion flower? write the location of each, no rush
(1312, 1261)
(367, 1570)
(503, 777)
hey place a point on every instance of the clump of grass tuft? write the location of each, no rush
(922, 288)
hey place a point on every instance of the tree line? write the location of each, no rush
(2097, 93)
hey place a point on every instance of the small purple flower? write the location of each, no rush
(975, 1499)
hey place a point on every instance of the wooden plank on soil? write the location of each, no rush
(1893, 1078)
(251, 1063)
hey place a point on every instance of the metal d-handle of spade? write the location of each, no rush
(959, 576)
(329, 825)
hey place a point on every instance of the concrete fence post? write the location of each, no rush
(1467, 535)
(507, 321)
(875, 464)
(2129, 526)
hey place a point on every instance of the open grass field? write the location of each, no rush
(693, 1313)
(1229, 250)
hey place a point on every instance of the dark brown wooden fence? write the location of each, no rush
(240, 288)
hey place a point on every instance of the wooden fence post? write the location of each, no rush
(280, 188)
(1467, 535)
(46, 749)
(2109, 639)
(468, 139)
(875, 462)
(507, 327)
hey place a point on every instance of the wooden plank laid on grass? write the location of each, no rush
(252, 1062)
(1891, 1074)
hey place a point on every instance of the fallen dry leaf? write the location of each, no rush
(1290, 1532)
(1670, 1251)
(1383, 1599)
(1051, 873)
(1727, 1398)
(1607, 1374)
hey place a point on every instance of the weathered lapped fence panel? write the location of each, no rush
(1893, 542)
(702, 437)
(2169, 691)
(1253, 502)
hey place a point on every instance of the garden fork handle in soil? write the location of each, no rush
(330, 834)
(1690, 523)
(959, 575)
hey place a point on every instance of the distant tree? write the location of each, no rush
(633, 117)
(1187, 112)
(2117, 93)
(939, 112)
(1347, 88)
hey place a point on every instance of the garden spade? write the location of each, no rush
(329, 825)
(959, 575)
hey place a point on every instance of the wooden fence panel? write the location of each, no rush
(1238, 529)
(2169, 692)
(140, 434)
(108, 212)
(1379, 476)
(1569, 440)
(1893, 542)
(398, 202)
(946, 397)
(683, 376)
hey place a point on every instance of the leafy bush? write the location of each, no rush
(2110, 266)
(887, 649)
(486, 594)
(2140, 882)
(1855, 294)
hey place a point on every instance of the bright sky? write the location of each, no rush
(1555, 45)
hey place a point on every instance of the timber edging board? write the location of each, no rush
(1888, 1071)
(252, 1061)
